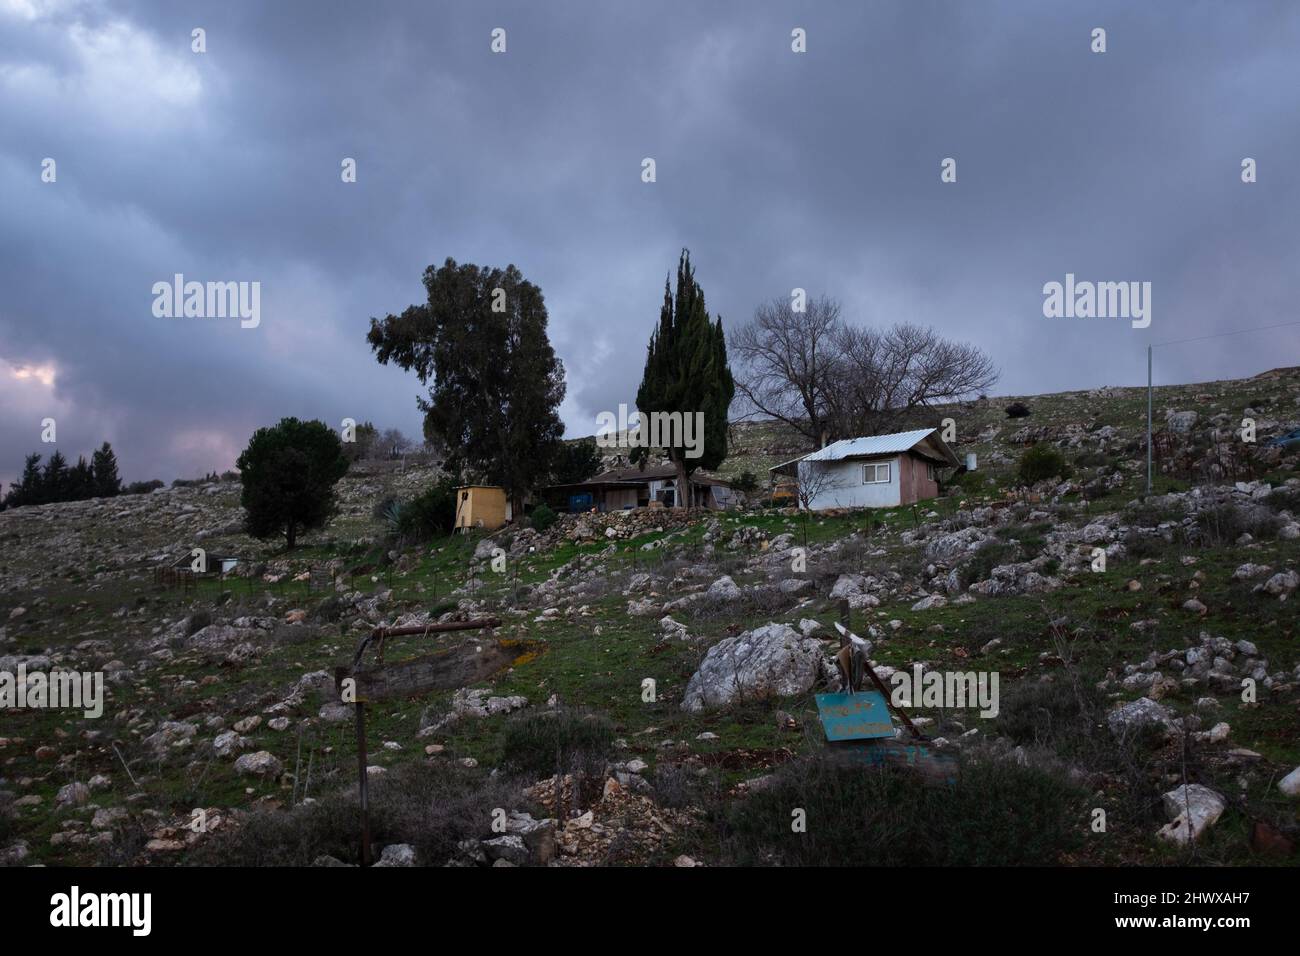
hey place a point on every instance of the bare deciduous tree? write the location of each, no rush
(783, 362)
(885, 374)
(392, 443)
(812, 481)
(829, 380)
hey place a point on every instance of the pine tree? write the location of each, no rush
(54, 479)
(686, 371)
(288, 474)
(81, 481)
(103, 464)
(26, 489)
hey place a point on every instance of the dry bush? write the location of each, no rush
(999, 814)
(430, 806)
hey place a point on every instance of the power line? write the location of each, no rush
(1219, 335)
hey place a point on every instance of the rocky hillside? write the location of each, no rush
(1146, 649)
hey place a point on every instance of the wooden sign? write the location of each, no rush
(860, 716)
(439, 671)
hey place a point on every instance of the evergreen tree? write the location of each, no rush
(26, 489)
(81, 481)
(496, 382)
(54, 479)
(103, 464)
(288, 474)
(576, 461)
(686, 371)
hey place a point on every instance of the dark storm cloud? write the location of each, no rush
(777, 170)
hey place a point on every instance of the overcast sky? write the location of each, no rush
(778, 170)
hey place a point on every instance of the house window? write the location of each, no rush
(875, 474)
(930, 472)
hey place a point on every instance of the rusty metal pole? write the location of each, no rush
(884, 691)
(365, 795)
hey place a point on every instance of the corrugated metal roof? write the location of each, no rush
(891, 444)
(870, 445)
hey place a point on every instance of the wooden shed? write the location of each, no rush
(481, 506)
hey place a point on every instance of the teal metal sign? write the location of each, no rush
(933, 766)
(860, 716)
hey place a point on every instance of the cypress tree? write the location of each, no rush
(686, 371)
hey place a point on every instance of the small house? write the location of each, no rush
(877, 471)
(622, 489)
(481, 506)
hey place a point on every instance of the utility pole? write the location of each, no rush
(1148, 419)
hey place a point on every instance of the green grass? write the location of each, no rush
(597, 661)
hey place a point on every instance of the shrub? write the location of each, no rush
(1041, 462)
(142, 487)
(534, 741)
(967, 481)
(747, 482)
(1145, 514)
(757, 600)
(985, 558)
(1049, 714)
(430, 806)
(677, 787)
(1030, 536)
(543, 517)
(7, 828)
(1284, 499)
(998, 814)
(1141, 546)
(428, 515)
(1224, 524)
(1017, 410)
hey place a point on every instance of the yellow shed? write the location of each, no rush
(481, 506)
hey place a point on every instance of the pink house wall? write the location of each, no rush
(914, 483)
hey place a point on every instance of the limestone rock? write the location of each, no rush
(1192, 809)
(260, 764)
(772, 660)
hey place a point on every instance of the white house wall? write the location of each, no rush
(845, 488)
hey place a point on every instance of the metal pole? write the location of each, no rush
(365, 796)
(1148, 419)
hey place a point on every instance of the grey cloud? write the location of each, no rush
(819, 171)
